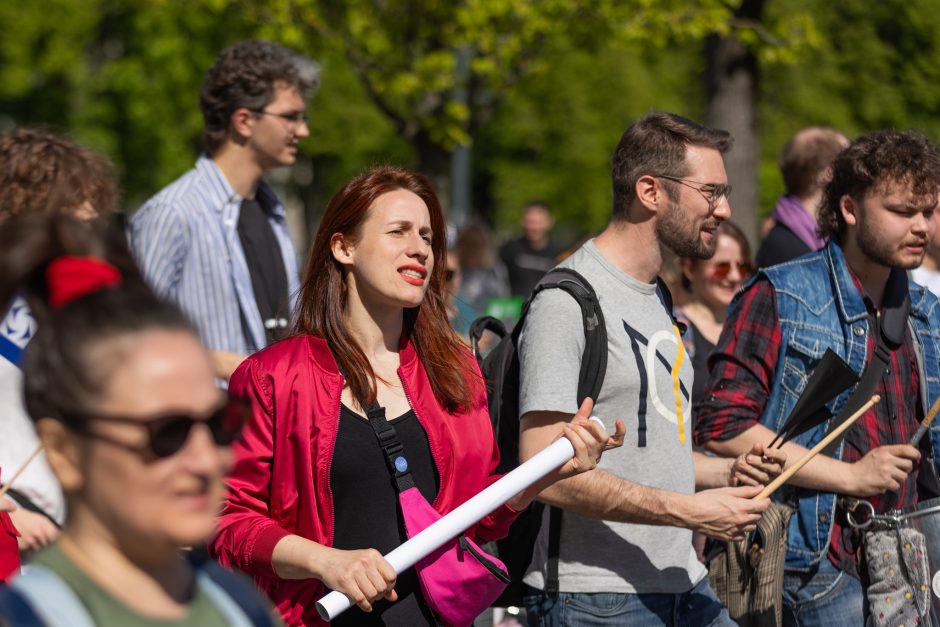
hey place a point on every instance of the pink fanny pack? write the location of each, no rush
(459, 580)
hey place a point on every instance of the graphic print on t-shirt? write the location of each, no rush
(646, 363)
(16, 329)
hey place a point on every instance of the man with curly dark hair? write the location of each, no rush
(851, 296)
(215, 241)
(40, 172)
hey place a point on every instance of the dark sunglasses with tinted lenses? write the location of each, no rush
(168, 432)
(722, 269)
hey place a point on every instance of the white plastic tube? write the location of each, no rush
(463, 517)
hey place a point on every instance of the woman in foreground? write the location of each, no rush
(135, 431)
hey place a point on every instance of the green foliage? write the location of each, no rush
(553, 137)
(407, 53)
(547, 90)
(875, 68)
(122, 77)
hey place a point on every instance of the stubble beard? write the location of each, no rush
(884, 253)
(680, 235)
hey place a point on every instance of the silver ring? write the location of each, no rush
(849, 514)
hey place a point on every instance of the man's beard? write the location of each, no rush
(884, 253)
(676, 230)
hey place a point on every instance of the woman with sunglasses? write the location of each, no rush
(311, 504)
(134, 429)
(711, 284)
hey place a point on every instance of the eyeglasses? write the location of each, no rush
(294, 117)
(711, 192)
(722, 269)
(168, 433)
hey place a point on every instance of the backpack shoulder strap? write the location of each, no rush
(590, 378)
(594, 357)
(232, 595)
(49, 597)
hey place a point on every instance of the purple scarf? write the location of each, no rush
(790, 212)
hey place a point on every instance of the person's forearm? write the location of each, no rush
(224, 363)
(711, 471)
(295, 557)
(821, 473)
(604, 496)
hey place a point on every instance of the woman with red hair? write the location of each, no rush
(311, 504)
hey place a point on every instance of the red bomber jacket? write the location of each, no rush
(280, 483)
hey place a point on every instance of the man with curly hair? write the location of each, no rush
(851, 296)
(215, 241)
(39, 173)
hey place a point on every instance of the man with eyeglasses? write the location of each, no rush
(622, 553)
(854, 297)
(215, 241)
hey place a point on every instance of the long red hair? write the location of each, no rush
(322, 301)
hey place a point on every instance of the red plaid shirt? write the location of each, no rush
(742, 372)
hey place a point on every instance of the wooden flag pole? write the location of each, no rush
(795, 468)
(19, 471)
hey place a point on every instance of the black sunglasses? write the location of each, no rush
(167, 433)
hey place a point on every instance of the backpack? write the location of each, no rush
(500, 369)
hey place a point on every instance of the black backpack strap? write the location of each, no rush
(554, 550)
(594, 358)
(480, 326)
(590, 378)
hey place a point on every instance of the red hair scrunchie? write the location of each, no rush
(69, 278)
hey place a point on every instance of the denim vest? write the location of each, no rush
(819, 307)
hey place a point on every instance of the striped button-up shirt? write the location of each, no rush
(186, 241)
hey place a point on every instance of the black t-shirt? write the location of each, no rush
(366, 511)
(266, 267)
(780, 245)
(526, 265)
(703, 348)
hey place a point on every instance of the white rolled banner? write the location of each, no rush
(462, 518)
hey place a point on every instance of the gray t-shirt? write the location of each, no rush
(640, 389)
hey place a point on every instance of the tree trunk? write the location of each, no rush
(731, 91)
(434, 161)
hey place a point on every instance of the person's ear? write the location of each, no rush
(342, 249)
(243, 122)
(849, 210)
(62, 453)
(650, 193)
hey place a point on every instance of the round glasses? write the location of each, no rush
(294, 118)
(711, 192)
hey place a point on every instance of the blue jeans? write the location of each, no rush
(699, 607)
(827, 597)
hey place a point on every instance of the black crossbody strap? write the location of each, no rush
(890, 330)
(395, 459)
